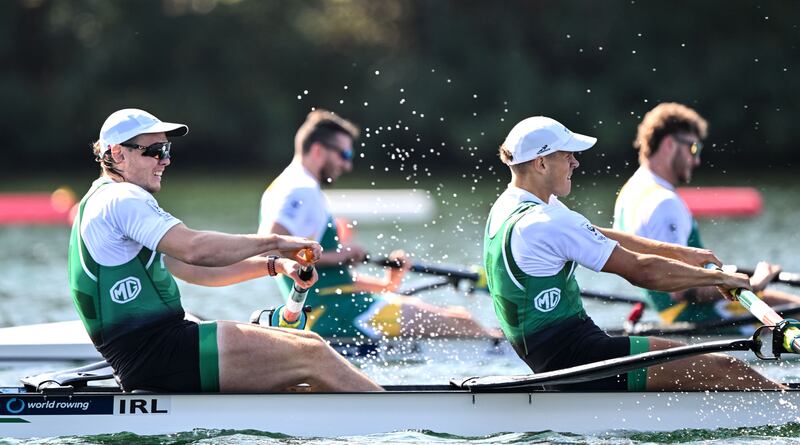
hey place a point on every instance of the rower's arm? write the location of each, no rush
(667, 274)
(216, 249)
(248, 269)
(353, 253)
(346, 255)
(689, 255)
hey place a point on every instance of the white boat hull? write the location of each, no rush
(444, 411)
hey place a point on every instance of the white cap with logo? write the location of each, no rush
(539, 136)
(128, 123)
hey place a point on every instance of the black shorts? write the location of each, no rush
(577, 342)
(164, 357)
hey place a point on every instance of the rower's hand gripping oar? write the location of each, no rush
(293, 313)
(786, 331)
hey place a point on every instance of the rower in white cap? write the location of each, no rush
(532, 246)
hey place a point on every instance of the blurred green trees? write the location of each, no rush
(429, 81)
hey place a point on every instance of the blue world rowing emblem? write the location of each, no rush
(15, 405)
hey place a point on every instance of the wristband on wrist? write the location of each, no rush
(271, 265)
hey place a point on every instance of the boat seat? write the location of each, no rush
(74, 378)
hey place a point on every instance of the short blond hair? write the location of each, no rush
(665, 119)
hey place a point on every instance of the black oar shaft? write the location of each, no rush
(475, 277)
(790, 278)
(431, 269)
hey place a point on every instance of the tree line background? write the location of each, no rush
(431, 82)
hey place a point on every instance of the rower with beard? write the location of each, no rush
(670, 141)
(532, 246)
(346, 304)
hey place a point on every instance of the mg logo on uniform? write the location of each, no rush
(126, 290)
(547, 300)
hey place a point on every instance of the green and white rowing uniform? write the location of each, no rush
(648, 206)
(122, 290)
(531, 251)
(295, 201)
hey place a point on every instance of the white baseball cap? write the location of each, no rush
(539, 136)
(125, 124)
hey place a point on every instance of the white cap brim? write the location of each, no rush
(168, 128)
(578, 142)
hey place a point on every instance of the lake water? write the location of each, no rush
(33, 285)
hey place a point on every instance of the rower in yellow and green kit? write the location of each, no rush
(346, 304)
(669, 141)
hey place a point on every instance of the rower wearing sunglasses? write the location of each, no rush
(124, 251)
(346, 304)
(669, 141)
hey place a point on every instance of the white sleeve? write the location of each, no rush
(669, 222)
(542, 244)
(138, 217)
(579, 241)
(301, 212)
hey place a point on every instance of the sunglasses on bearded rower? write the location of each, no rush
(695, 148)
(158, 150)
(346, 155)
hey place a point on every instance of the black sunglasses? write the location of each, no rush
(695, 148)
(158, 150)
(346, 155)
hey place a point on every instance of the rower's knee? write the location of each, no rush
(311, 345)
(309, 335)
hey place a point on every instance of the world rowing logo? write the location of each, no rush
(15, 406)
(126, 290)
(548, 299)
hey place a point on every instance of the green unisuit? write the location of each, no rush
(525, 304)
(116, 301)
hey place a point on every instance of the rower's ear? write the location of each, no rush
(117, 153)
(540, 164)
(316, 149)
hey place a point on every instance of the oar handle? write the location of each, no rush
(767, 315)
(293, 308)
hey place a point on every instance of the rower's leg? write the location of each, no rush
(259, 358)
(420, 319)
(704, 372)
